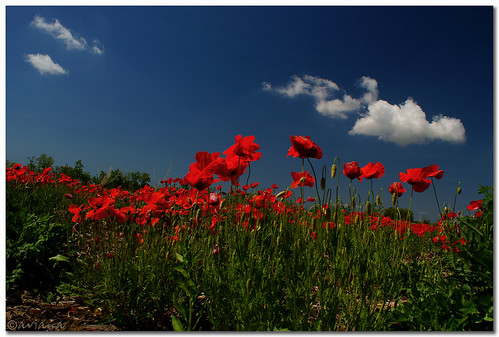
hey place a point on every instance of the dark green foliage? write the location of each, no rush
(75, 172)
(37, 165)
(394, 214)
(34, 253)
(130, 181)
(463, 300)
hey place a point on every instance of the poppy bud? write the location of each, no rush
(378, 200)
(459, 190)
(216, 250)
(394, 198)
(353, 202)
(333, 171)
(214, 199)
(280, 194)
(323, 183)
(368, 206)
(446, 210)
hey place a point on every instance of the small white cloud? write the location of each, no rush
(69, 38)
(97, 47)
(406, 124)
(296, 87)
(322, 90)
(58, 31)
(45, 65)
(338, 108)
(371, 85)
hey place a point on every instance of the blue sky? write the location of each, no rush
(140, 88)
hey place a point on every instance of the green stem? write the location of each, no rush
(455, 197)
(435, 192)
(249, 173)
(316, 189)
(301, 185)
(409, 209)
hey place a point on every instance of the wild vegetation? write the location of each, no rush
(189, 256)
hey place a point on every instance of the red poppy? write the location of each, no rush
(244, 148)
(372, 170)
(475, 205)
(352, 170)
(303, 147)
(397, 188)
(302, 179)
(433, 171)
(231, 168)
(200, 175)
(418, 177)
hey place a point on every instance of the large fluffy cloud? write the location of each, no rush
(402, 124)
(45, 65)
(406, 124)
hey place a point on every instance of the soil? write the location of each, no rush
(26, 312)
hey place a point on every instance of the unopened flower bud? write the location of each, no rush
(368, 206)
(378, 200)
(353, 202)
(446, 210)
(214, 199)
(459, 190)
(333, 171)
(323, 183)
(280, 194)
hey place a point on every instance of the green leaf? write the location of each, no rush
(177, 325)
(180, 257)
(182, 271)
(180, 307)
(60, 258)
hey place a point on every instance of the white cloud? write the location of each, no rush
(322, 90)
(402, 124)
(97, 47)
(70, 39)
(45, 65)
(406, 124)
(60, 32)
(338, 108)
(371, 85)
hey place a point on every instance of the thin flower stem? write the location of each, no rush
(316, 189)
(249, 173)
(409, 209)
(301, 185)
(435, 192)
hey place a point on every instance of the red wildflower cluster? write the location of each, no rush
(353, 171)
(238, 156)
(23, 174)
(189, 207)
(476, 206)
